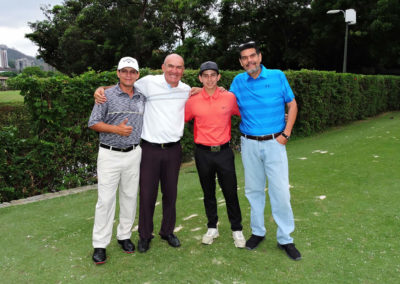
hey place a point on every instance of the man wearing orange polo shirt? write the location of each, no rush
(212, 110)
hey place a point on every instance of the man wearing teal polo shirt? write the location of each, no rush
(262, 95)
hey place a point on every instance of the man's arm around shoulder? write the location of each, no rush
(99, 95)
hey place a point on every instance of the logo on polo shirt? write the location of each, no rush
(225, 108)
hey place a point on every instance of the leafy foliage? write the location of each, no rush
(280, 27)
(54, 149)
(9, 74)
(82, 34)
(373, 44)
(292, 34)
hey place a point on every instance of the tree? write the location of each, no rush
(280, 27)
(195, 50)
(384, 30)
(291, 34)
(34, 71)
(191, 22)
(188, 17)
(96, 33)
(9, 74)
(373, 42)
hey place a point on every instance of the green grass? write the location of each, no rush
(351, 236)
(11, 97)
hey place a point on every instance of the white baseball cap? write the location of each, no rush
(128, 62)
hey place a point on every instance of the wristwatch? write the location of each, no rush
(284, 135)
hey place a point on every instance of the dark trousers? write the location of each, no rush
(158, 166)
(221, 164)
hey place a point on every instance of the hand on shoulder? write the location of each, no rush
(99, 96)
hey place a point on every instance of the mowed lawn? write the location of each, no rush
(345, 188)
(7, 97)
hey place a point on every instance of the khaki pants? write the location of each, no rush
(116, 170)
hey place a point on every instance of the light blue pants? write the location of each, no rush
(262, 159)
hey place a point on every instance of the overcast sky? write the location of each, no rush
(14, 18)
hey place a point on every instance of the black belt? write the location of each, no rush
(262, 138)
(162, 145)
(213, 148)
(118, 149)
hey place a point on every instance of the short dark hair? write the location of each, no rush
(247, 45)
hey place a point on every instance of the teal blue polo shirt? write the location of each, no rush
(262, 101)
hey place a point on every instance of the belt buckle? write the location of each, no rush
(162, 146)
(215, 148)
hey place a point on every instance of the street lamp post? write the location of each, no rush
(350, 19)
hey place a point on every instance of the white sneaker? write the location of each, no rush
(239, 240)
(209, 237)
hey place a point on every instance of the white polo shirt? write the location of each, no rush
(164, 114)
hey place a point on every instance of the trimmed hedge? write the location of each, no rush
(60, 151)
(327, 99)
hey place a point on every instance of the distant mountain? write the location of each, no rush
(14, 54)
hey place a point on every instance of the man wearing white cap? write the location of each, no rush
(119, 122)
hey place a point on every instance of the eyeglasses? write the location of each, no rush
(251, 56)
(126, 72)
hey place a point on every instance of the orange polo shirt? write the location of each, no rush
(212, 116)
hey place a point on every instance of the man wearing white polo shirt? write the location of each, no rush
(162, 153)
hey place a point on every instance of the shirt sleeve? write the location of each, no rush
(233, 88)
(98, 114)
(235, 109)
(287, 91)
(188, 110)
(141, 85)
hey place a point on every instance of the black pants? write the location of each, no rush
(158, 166)
(221, 164)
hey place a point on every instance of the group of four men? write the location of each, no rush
(152, 110)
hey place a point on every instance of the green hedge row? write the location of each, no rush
(60, 151)
(329, 99)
